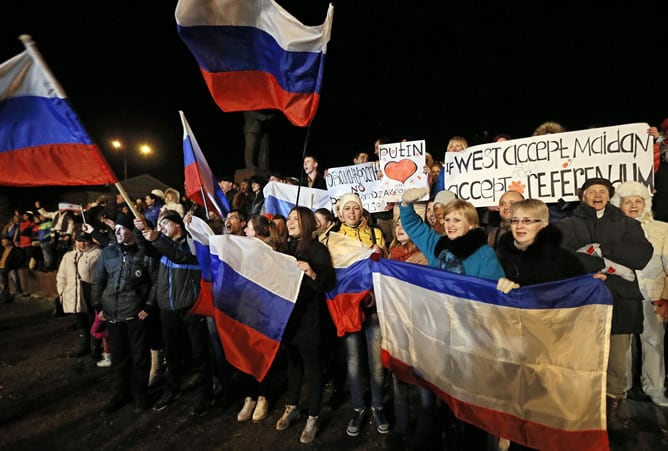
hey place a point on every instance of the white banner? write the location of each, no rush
(361, 179)
(551, 167)
(403, 168)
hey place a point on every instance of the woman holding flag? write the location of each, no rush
(302, 334)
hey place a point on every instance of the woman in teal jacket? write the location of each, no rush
(462, 250)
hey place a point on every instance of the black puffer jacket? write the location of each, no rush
(125, 282)
(179, 274)
(543, 261)
(622, 241)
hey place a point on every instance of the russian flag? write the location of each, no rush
(200, 232)
(529, 366)
(254, 55)
(200, 183)
(352, 263)
(280, 198)
(254, 290)
(42, 142)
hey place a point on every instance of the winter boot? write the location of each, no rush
(57, 311)
(84, 345)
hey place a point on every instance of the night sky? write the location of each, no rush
(416, 69)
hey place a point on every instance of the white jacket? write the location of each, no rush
(67, 282)
(653, 279)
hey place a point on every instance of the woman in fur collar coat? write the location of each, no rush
(462, 250)
(532, 253)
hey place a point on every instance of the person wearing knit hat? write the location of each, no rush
(634, 200)
(607, 241)
(124, 290)
(178, 273)
(361, 236)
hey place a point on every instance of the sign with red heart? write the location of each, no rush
(400, 170)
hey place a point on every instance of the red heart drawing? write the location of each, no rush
(400, 170)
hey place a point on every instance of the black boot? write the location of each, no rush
(612, 412)
(84, 335)
(57, 311)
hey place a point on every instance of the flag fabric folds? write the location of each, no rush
(255, 55)
(351, 261)
(529, 366)
(200, 183)
(280, 198)
(42, 142)
(254, 293)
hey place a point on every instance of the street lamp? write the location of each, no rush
(118, 146)
(145, 149)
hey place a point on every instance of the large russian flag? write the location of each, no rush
(280, 198)
(200, 183)
(42, 142)
(255, 55)
(352, 263)
(529, 366)
(254, 291)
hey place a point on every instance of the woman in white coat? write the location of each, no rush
(634, 200)
(73, 281)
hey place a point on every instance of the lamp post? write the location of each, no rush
(145, 150)
(118, 146)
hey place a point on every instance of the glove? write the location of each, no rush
(505, 285)
(615, 269)
(413, 195)
(593, 249)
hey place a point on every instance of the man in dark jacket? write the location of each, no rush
(608, 241)
(124, 289)
(177, 290)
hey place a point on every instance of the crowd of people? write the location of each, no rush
(130, 283)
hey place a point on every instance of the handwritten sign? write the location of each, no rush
(550, 167)
(403, 168)
(361, 179)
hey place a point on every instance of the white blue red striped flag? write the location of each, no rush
(255, 55)
(529, 366)
(42, 142)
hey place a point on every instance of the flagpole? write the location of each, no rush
(306, 138)
(206, 209)
(37, 57)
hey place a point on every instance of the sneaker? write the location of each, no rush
(310, 431)
(659, 399)
(382, 425)
(290, 414)
(105, 362)
(165, 400)
(261, 409)
(246, 411)
(203, 406)
(355, 423)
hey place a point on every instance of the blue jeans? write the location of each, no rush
(426, 413)
(355, 356)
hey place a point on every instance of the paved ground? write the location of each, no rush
(50, 401)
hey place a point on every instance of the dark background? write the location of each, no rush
(416, 69)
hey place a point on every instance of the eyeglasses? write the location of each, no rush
(233, 217)
(524, 221)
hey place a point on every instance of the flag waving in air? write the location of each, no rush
(201, 185)
(42, 142)
(255, 55)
